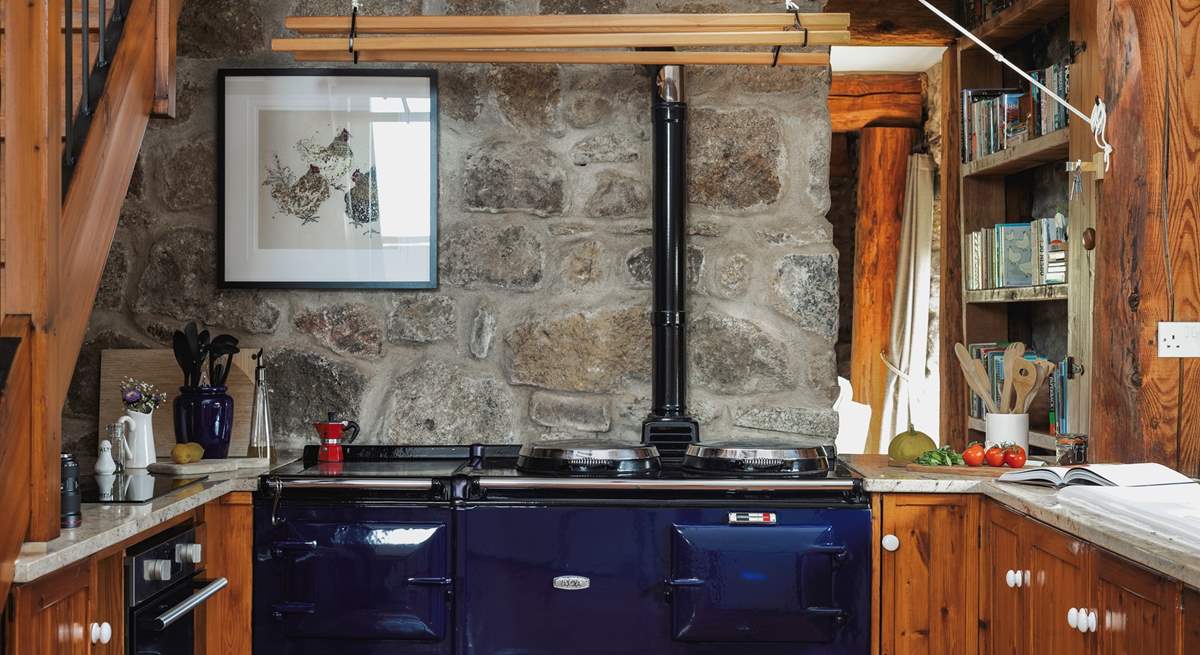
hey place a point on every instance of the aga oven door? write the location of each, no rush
(165, 624)
(352, 579)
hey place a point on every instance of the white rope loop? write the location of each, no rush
(1099, 117)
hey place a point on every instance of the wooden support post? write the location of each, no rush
(33, 94)
(882, 177)
(953, 399)
(224, 623)
(166, 20)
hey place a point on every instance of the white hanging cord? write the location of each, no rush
(788, 5)
(1099, 118)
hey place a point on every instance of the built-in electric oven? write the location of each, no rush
(163, 587)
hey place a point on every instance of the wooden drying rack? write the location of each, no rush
(652, 39)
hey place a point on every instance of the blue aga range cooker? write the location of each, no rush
(570, 547)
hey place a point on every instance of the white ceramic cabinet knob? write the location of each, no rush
(95, 630)
(1073, 617)
(1082, 623)
(1091, 621)
(890, 542)
(1010, 578)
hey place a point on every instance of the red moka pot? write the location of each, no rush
(333, 433)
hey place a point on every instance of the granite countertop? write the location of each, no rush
(108, 525)
(1128, 535)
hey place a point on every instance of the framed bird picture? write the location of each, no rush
(327, 178)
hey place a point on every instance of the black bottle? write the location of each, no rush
(69, 487)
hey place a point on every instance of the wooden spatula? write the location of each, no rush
(976, 376)
(1024, 382)
(1014, 353)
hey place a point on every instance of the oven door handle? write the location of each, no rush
(164, 620)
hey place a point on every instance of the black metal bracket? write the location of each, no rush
(353, 29)
(1074, 49)
(796, 26)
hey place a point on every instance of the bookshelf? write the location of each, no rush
(1025, 181)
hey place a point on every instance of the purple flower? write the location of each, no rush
(132, 396)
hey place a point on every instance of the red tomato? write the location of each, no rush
(973, 455)
(1015, 456)
(994, 456)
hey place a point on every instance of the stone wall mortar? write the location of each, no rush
(567, 249)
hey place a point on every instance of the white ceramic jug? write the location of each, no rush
(138, 444)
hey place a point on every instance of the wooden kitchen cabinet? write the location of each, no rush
(1137, 611)
(928, 586)
(1001, 601)
(225, 529)
(1055, 580)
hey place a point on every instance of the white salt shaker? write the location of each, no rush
(104, 463)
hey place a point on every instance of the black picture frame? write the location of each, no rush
(223, 74)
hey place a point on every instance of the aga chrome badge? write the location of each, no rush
(572, 582)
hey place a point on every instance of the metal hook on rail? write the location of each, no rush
(796, 25)
(353, 28)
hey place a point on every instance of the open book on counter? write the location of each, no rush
(1102, 475)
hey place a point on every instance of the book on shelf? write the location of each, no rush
(1017, 254)
(999, 118)
(992, 355)
(1102, 475)
(976, 12)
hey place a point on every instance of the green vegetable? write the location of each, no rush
(944, 456)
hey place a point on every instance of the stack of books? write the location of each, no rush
(975, 12)
(996, 119)
(1059, 401)
(1018, 254)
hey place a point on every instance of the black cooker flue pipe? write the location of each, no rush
(668, 425)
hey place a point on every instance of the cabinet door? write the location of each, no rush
(1191, 622)
(1137, 611)
(1056, 580)
(929, 583)
(51, 615)
(1001, 607)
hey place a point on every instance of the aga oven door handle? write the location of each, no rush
(839, 553)
(285, 546)
(685, 582)
(836, 613)
(433, 582)
(164, 620)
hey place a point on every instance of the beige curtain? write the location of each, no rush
(912, 389)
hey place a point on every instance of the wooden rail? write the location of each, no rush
(15, 416)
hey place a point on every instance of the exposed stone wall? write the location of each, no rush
(540, 325)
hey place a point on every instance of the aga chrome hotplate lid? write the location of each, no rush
(588, 457)
(757, 457)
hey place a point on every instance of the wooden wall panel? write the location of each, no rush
(873, 22)
(1144, 408)
(1183, 209)
(882, 175)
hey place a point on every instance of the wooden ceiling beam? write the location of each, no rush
(896, 23)
(875, 100)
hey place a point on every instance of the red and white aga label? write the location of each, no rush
(752, 518)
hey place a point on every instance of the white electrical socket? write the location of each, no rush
(1179, 339)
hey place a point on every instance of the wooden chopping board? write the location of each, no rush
(167, 467)
(158, 367)
(970, 471)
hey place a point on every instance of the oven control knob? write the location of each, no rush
(187, 553)
(157, 570)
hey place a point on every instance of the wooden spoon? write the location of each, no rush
(1012, 354)
(976, 376)
(1024, 382)
(1045, 369)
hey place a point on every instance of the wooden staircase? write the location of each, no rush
(60, 198)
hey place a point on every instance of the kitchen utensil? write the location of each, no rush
(183, 355)
(1003, 429)
(1012, 354)
(976, 376)
(332, 433)
(260, 415)
(1024, 382)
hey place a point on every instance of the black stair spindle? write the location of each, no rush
(102, 53)
(85, 59)
(68, 103)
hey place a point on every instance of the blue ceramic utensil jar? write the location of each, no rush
(204, 415)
